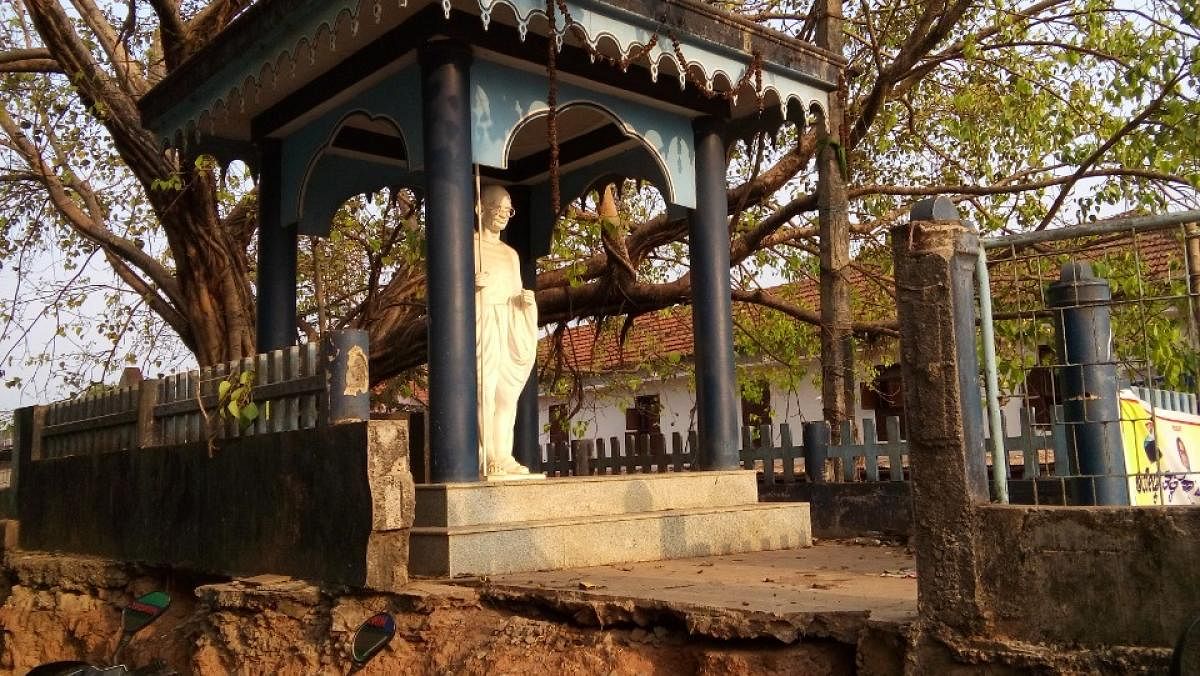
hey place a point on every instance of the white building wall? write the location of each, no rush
(603, 412)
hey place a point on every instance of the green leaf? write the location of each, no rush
(223, 389)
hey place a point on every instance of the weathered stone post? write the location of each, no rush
(1089, 383)
(935, 258)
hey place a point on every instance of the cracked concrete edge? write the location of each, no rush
(75, 573)
(415, 597)
(940, 650)
(591, 609)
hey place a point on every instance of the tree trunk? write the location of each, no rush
(837, 340)
(210, 300)
(213, 272)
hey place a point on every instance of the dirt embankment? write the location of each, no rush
(67, 608)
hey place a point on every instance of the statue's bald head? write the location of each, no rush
(491, 196)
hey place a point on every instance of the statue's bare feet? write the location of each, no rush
(511, 466)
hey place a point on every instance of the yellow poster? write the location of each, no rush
(1160, 450)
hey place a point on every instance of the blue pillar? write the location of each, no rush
(276, 318)
(345, 364)
(816, 449)
(1089, 383)
(712, 308)
(449, 218)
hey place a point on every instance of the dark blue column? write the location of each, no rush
(712, 309)
(816, 449)
(449, 218)
(1089, 383)
(344, 363)
(276, 320)
(519, 235)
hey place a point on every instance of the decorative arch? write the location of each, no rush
(654, 169)
(504, 100)
(362, 153)
(602, 147)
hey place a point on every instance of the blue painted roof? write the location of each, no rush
(277, 47)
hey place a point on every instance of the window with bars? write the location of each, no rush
(643, 418)
(884, 395)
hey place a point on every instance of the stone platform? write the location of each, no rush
(509, 527)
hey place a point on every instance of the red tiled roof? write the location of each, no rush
(659, 334)
(663, 334)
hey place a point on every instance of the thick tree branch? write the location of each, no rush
(748, 243)
(172, 32)
(84, 222)
(160, 305)
(182, 40)
(660, 230)
(28, 61)
(1002, 188)
(909, 61)
(137, 146)
(129, 78)
(766, 299)
(1091, 159)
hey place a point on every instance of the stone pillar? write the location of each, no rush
(276, 302)
(1089, 383)
(449, 217)
(712, 308)
(519, 235)
(935, 258)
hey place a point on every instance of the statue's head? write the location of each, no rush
(495, 208)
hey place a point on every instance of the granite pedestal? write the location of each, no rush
(509, 527)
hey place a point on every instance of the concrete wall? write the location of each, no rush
(1090, 575)
(843, 510)
(331, 504)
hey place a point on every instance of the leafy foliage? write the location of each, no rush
(234, 400)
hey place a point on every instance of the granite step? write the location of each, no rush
(576, 541)
(481, 504)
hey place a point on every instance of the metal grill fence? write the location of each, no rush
(1090, 349)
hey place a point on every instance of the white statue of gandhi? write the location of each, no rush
(505, 334)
